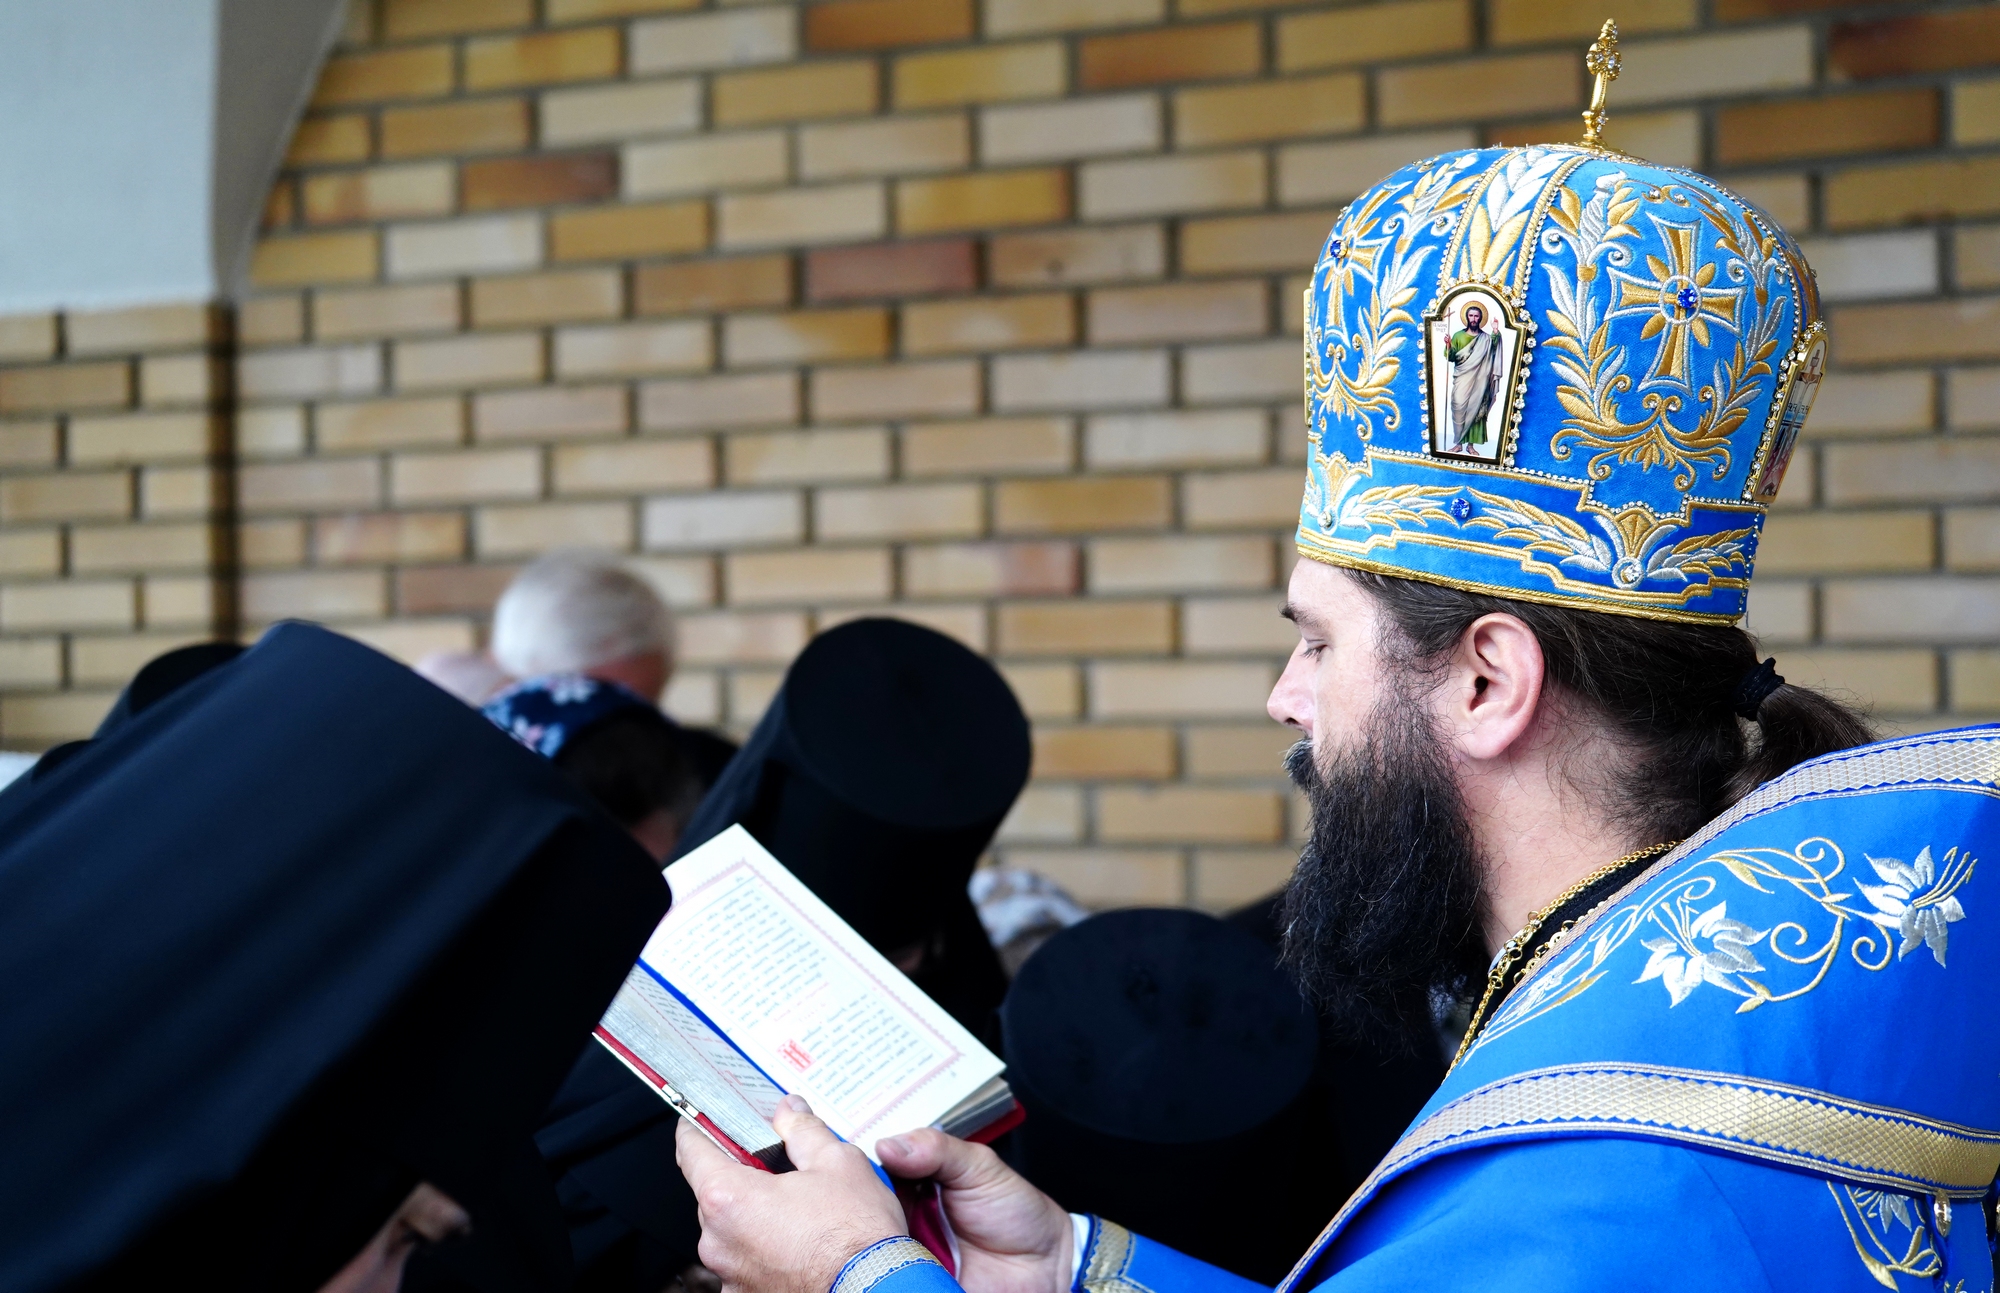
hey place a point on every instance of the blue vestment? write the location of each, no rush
(1765, 1065)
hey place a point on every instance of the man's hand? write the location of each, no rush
(789, 1233)
(1011, 1236)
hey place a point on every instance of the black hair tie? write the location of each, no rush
(1756, 685)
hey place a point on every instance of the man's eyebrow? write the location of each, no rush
(1300, 616)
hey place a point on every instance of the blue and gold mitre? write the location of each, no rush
(1556, 373)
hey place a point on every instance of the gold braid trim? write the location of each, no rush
(880, 1260)
(1105, 1265)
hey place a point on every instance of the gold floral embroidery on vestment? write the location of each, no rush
(1889, 1233)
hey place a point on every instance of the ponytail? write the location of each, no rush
(1795, 724)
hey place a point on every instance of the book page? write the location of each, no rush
(806, 998)
(655, 1034)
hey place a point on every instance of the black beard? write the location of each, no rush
(1381, 913)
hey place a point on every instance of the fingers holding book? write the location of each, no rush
(1012, 1238)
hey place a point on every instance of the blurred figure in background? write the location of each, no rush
(469, 675)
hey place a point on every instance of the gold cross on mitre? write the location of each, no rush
(1601, 62)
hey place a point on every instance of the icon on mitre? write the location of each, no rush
(1475, 356)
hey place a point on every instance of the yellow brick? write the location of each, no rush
(1090, 752)
(1975, 681)
(418, 71)
(732, 637)
(272, 432)
(1314, 105)
(934, 389)
(405, 19)
(264, 545)
(72, 603)
(1950, 188)
(807, 575)
(28, 444)
(31, 662)
(634, 465)
(1172, 185)
(580, 10)
(463, 126)
(547, 298)
(105, 549)
(582, 54)
(1717, 63)
(797, 93)
(385, 311)
(176, 491)
(1172, 814)
(321, 141)
(314, 594)
(1236, 244)
(983, 200)
(892, 146)
(67, 495)
(1078, 256)
(1905, 681)
(898, 512)
(1922, 331)
(180, 379)
(735, 160)
(272, 320)
(38, 721)
(965, 624)
(1180, 689)
(146, 327)
(991, 74)
(832, 213)
(1136, 441)
(626, 349)
(30, 552)
(527, 531)
(709, 403)
(1256, 750)
(411, 640)
(1527, 22)
(1029, 17)
(389, 536)
(1044, 690)
(384, 424)
(550, 411)
(27, 336)
(1081, 379)
(1975, 112)
(100, 661)
(1234, 500)
(990, 569)
(461, 477)
(1178, 312)
(1232, 878)
(1045, 814)
(766, 34)
(1510, 86)
(1846, 543)
(1972, 538)
(988, 323)
(1236, 626)
(469, 361)
(315, 258)
(1078, 506)
(781, 457)
(1001, 445)
(314, 484)
(1373, 33)
(58, 387)
(380, 193)
(1104, 878)
(1086, 628)
(806, 336)
(1179, 563)
(143, 437)
(723, 519)
(618, 232)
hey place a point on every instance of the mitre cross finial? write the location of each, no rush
(1601, 62)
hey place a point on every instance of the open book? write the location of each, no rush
(752, 989)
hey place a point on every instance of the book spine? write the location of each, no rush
(681, 1105)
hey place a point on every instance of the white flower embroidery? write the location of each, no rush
(568, 689)
(1682, 966)
(1915, 901)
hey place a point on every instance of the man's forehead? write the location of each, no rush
(1321, 596)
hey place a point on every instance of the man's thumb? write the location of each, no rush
(928, 1152)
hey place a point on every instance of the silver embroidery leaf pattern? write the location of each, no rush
(1917, 900)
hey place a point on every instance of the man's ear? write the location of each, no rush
(1495, 687)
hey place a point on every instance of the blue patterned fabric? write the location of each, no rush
(545, 713)
(1558, 374)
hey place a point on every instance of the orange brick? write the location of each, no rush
(386, 424)
(616, 232)
(810, 575)
(886, 24)
(545, 58)
(1078, 256)
(1664, 138)
(1914, 43)
(58, 387)
(325, 140)
(1081, 505)
(1012, 446)
(1852, 123)
(1195, 53)
(1374, 33)
(1178, 312)
(409, 19)
(634, 465)
(1948, 188)
(316, 258)
(686, 287)
(1074, 627)
(562, 297)
(1090, 752)
(281, 206)
(796, 93)
(419, 71)
(988, 323)
(539, 181)
(1826, 543)
(378, 193)
(1315, 105)
(990, 569)
(469, 126)
(1236, 244)
(389, 536)
(986, 199)
(1492, 87)
(991, 74)
(805, 336)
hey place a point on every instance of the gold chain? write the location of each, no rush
(1510, 955)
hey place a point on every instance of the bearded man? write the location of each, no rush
(1728, 960)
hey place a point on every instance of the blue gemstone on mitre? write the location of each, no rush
(1554, 373)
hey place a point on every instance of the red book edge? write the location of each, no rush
(700, 1119)
(1000, 1126)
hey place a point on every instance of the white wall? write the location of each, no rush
(114, 189)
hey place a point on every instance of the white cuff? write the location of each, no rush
(1080, 1228)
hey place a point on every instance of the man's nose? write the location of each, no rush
(1291, 699)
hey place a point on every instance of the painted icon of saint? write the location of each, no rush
(1476, 360)
(1798, 403)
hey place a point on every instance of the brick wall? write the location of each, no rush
(984, 312)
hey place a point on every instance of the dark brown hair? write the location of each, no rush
(1667, 690)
